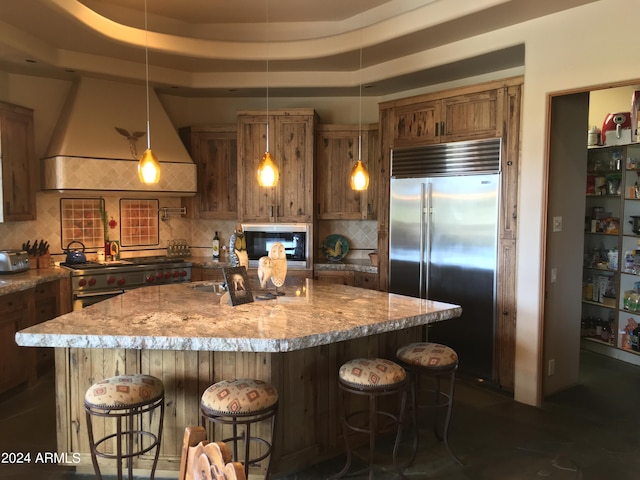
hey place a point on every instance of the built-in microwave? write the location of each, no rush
(295, 237)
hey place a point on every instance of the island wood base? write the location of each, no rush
(307, 430)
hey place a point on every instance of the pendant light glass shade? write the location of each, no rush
(268, 173)
(149, 168)
(359, 176)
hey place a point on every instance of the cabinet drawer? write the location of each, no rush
(365, 280)
(13, 302)
(339, 277)
(46, 290)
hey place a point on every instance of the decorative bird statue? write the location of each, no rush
(132, 138)
(264, 272)
(278, 257)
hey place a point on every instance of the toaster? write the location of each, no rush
(14, 261)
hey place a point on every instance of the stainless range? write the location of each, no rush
(92, 282)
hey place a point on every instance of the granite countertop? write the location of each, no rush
(181, 317)
(17, 282)
(361, 265)
(356, 265)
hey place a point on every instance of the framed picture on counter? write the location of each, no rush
(238, 285)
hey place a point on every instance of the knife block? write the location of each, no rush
(43, 261)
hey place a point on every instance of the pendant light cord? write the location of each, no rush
(267, 47)
(146, 63)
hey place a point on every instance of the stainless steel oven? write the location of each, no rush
(295, 237)
(92, 282)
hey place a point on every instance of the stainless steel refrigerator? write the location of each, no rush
(443, 240)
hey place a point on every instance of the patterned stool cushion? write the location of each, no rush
(426, 354)
(124, 391)
(372, 372)
(241, 396)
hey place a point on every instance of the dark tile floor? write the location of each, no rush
(589, 432)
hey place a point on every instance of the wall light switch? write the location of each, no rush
(554, 275)
(557, 224)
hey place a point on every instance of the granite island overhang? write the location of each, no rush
(185, 337)
(181, 317)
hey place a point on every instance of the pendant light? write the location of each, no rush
(268, 173)
(359, 173)
(148, 166)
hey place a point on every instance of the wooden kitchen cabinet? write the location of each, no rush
(214, 149)
(365, 280)
(17, 363)
(336, 154)
(19, 169)
(463, 117)
(340, 277)
(291, 145)
(23, 309)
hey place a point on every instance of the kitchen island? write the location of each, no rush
(181, 334)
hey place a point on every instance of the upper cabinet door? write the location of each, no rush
(295, 154)
(19, 172)
(336, 154)
(416, 124)
(473, 116)
(292, 149)
(255, 203)
(214, 150)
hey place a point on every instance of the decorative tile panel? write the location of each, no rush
(81, 221)
(139, 222)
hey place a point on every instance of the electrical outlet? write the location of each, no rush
(557, 224)
(551, 368)
(554, 275)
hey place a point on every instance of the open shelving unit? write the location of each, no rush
(611, 270)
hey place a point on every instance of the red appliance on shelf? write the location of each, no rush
(616, 129)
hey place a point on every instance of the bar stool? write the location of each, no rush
(373, 378)
(125, 399)
(242, 402)
(435, 362)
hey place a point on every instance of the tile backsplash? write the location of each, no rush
(362, 235)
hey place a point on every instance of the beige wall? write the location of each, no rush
(610, 100)
(560, 53)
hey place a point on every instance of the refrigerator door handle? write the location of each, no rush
(425, 209)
